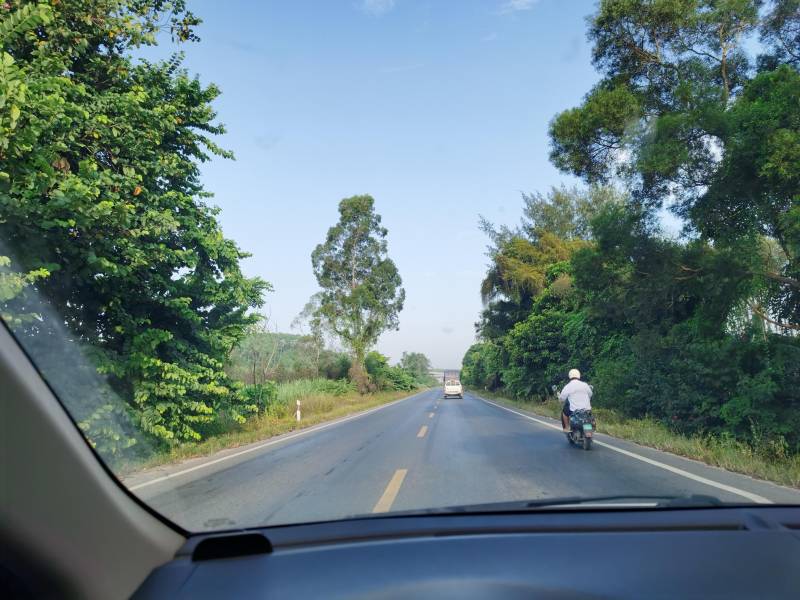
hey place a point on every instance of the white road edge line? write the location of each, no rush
(266, 444)
(728, 488)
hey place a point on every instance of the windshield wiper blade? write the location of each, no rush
(648, 500)
(614, 501)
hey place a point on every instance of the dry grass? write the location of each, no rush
(316, 408)
(769, 461)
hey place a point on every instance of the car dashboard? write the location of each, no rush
(740, 552)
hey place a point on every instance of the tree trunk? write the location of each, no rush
(358, 373)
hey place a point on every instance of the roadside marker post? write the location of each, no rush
(297, 414)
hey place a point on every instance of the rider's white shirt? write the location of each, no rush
(578, 393)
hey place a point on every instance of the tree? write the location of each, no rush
(100, 189)
(259, 351)
(755, 190)
(680, 115)
(417, 364)
(553, 227)
(361, 294)
(565, 212)
(312, 317)
(780, 31)
(698, 333)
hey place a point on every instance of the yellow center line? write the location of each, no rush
(390, 493)
(422, 431)
(430, 415)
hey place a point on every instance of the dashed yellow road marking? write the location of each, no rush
(422, 431)
(390, 493)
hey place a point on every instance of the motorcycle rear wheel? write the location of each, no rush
(587, 443)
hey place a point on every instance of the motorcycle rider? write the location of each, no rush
(576, 395)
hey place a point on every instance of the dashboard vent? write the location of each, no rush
(231, 546)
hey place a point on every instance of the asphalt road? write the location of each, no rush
(423, 452)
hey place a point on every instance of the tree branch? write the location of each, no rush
(782, 279)
(760, 313)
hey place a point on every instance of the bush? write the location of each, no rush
(397, 378)
(334, 365)
(262, 395)
(482, 365)
(385, 377)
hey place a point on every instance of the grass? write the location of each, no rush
(319, 403)
(768, 460)
(302, 389)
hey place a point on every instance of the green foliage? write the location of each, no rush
(288, 393)
(263, 395)
(780, 32)
(100, 190)
(698, 335)
(565, 213)
(526, 261)
(418, 366)
(537, 355)
(682, 115)
(263, 355)
(647, 320)
(12, 285)
(482, 366)
(756, 188)
(386, 377)
(361, 295)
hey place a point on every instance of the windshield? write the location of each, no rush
(224, 229)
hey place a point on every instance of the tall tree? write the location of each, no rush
(100, 190)
(553, 227)
(680, 115)
(361, 294)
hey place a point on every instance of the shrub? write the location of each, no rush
(262, 395)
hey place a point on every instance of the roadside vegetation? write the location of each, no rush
(691, 340)
(763, 458)
(115, 274)
(360, 293)
(320, 402)
(321, 399)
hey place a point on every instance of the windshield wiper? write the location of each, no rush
(650, 500)
(615, 501)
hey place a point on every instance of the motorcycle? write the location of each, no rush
(581, 428)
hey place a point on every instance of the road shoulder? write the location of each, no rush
(230, 456)
(751, 486)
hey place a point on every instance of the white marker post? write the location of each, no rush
(297, 414)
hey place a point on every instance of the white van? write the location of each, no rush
(452, 387)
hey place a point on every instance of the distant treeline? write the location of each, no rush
(263, 358)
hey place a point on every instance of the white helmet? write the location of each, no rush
(574, 374)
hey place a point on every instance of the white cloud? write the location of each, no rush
(376, 7)
(511, 6)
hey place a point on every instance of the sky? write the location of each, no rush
(438, 109)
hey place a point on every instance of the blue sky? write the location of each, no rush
(438, 109)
